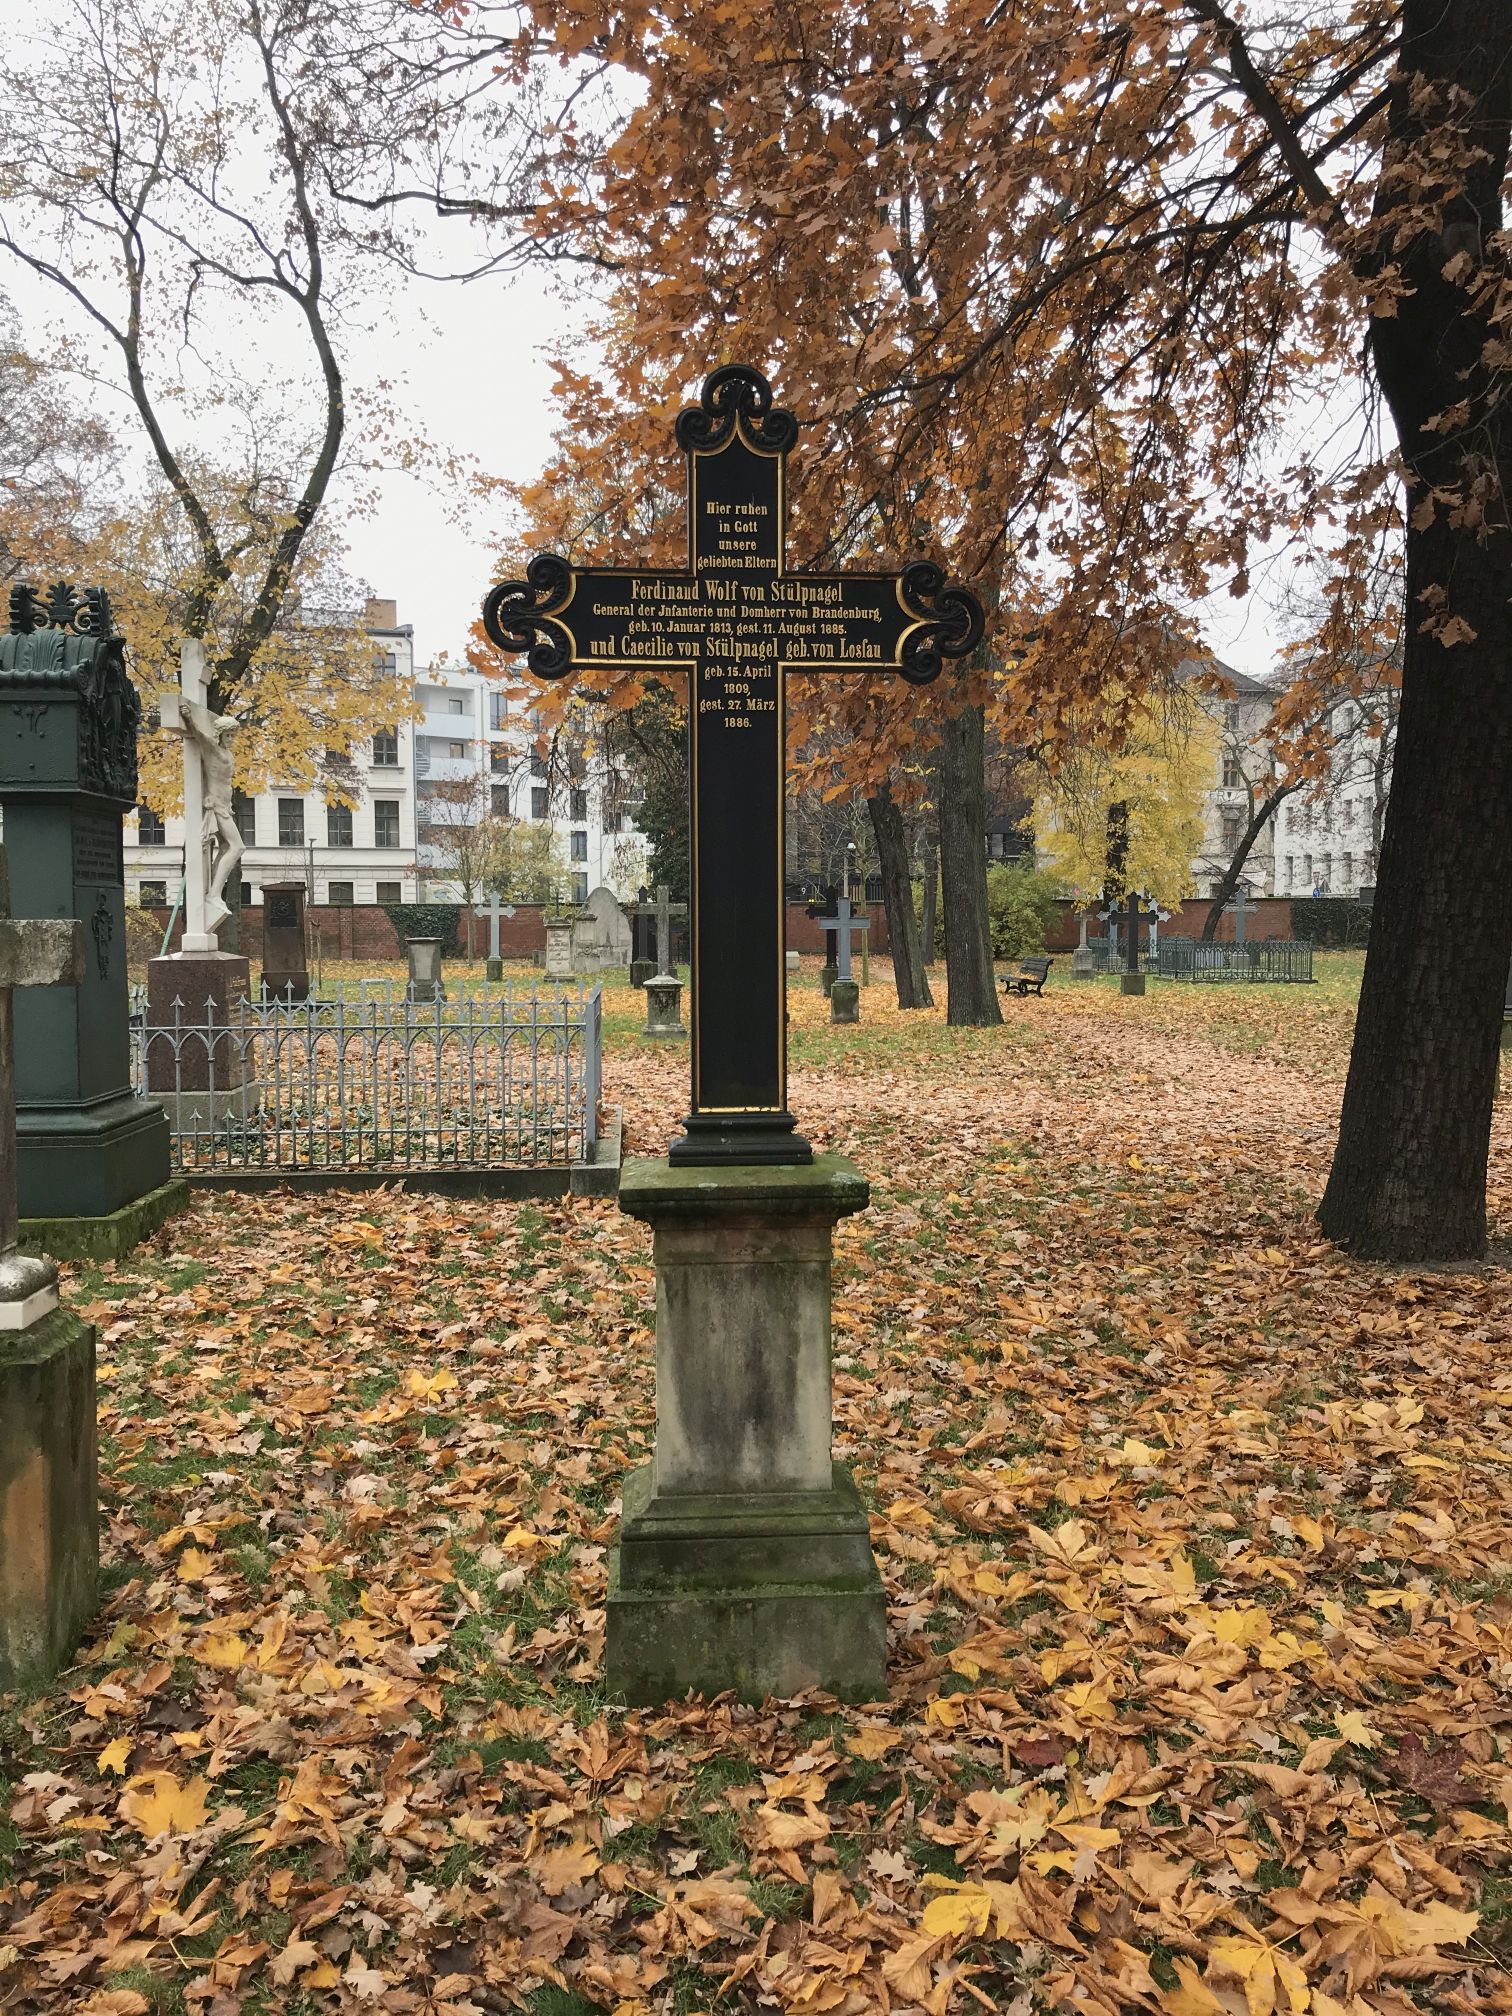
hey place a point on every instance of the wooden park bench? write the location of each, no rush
(1030, 978)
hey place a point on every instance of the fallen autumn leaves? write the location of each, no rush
(1195, 1537)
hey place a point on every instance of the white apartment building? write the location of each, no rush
(475, 754)
(362, 853)
(1329, 841)
(1241, 780)
(471, 753)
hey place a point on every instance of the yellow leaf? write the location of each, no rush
(872, 1743)
(225, 1650)
(1088, 1701)
(521, 1536)
(967, 1911)
(943, 1712)
(1417, 1931)
(1069, 1542)
(309, 1399)
(1183, 1576)
(1309, 1530)
(559, 1868)
(114, 1756)
(156, 1804)
(1333, 1613)
(193, 1566)
(1189, 1997)
(1139, 1453)
(1239, 1627)
(325, 1975)
(423, 1387)
(1353, 1727)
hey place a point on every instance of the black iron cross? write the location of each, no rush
(1132, 915)
(736, 620)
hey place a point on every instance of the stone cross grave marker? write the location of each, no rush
(736, 619)
(49, 1547)
(666, 910)
(212, 841)
(1129, 916)
(1239, 908)
(494, 911)
(843, 924)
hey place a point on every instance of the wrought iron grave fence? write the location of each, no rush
(501, 1078)
(1263, 959)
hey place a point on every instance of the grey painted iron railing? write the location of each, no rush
(1260, 959)
(495, 1077)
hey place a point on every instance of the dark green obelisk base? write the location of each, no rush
(744, 1560)
(49, 1535)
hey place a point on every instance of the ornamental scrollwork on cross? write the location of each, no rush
(952, 614)
(85, 611)
(518, 616)
(732, 394)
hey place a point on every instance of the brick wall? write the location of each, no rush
(806, 934)
(1270, 917)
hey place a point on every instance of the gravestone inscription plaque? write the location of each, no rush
(737, 619)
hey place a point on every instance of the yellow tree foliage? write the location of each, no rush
(1159, 776)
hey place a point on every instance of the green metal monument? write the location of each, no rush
(93, 1173)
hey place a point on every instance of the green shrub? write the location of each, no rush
(1021, 906)
(1336, 922)
(427, 920)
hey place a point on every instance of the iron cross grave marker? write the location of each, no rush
(736, 620)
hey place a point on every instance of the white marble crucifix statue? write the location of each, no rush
(212, 844)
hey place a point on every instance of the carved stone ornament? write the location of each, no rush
(66, 637)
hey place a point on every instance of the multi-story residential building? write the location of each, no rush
(1243, 775)
(470, 754)
(1328, 840)
(362, 853)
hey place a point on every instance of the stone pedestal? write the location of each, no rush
(559, 948)
(425, 983)
(845, 1002)
(794, 962)
(1131, 983)
(493, 969)
(744, 1559)
(828, 975)
(49, 1539)
(642, 970)
(285, 966)
(1084, 963)
(664, 1006)
(196, 1049)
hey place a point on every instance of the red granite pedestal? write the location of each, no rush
(197, 1059)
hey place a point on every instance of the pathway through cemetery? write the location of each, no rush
(1194, 1539)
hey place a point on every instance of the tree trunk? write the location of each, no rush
(897, 896)
(929, 921)
(969, 979)
(1235, 869)
(1409, 1173)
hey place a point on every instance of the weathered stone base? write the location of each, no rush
(49, 1538)
(1131, 983)
(1083, 963)
(768, 1593)
(794, 962)
(828, 975)
(493, 969)
(642, 970)
(845, 1002)
(664, 1007)
(109, 1236)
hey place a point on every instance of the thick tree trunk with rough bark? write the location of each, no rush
(1226, 888)
(897, 896)
(929, 921)
(1409, 1174)
(969, 977)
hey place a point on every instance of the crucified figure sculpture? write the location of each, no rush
(208, 816)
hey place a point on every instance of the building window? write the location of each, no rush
(153, 895)
(538, 766)
(341, 894)
(244, 812)
(246, 895)
(1346, 869)
(386, 749)
(385, 822)
(338, 827)
(498, 801)
(454, 705)
(149, 827)
(1291, 870)
(580, 847)
(1231, 830)
(1307, 865)
(457, 751)
(540, 801)
(498, 759)
(1232, 775)
(578, 809)
(388, 663)
(614, 822)
(498, 710)
(291, 822)
(580, 888)
(388, 892)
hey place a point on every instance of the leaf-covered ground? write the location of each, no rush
(1196, 1540)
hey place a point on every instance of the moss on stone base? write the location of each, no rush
(110, 1237)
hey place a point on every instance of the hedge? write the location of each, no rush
(427, 920)
(1335, 922)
